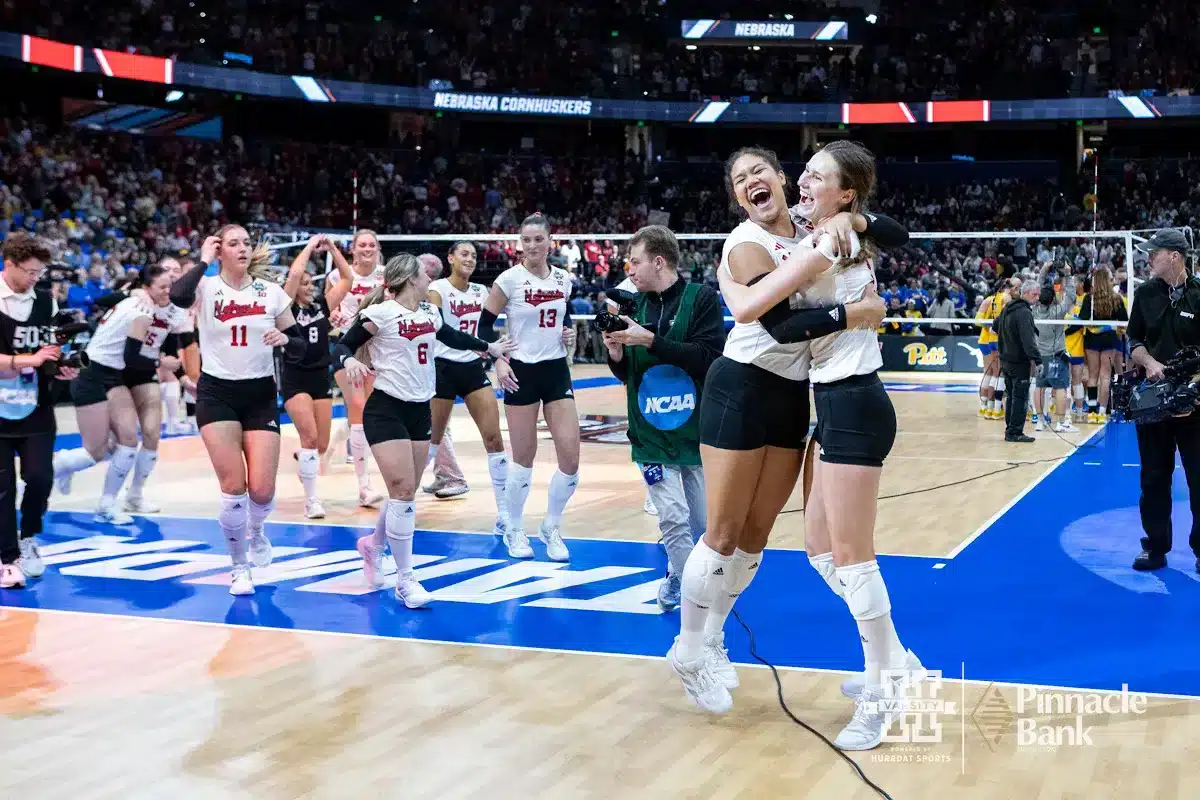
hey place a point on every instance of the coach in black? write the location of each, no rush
(1165, 318)
(1018, 355)
(27, 394)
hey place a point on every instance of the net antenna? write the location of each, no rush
(417, 243)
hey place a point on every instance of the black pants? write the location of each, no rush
(37, 470)
(1157, 444)
(1016, 397)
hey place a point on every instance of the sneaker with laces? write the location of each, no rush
(11, 577)
(500, 528)
(63, 484)
(31, 560)
(110, 516)
(669, 593)
(434, 486)
(260, 548)
(648, 507)
(517, 543)
(1037, 424)
(313, 509)
(372, 557)
(556, 548)
(240, 583)
(852, 687)
(369, 498)
(140, 505)
(451, 490)
(702, 686)
(718, 660)
(874, 712)
(410, 592)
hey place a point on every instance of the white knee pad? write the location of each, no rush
(744, 567)
(1000, 384)
(704, 575)
(307, 463)
(864, 590)
(989, 382)
(823, 564)
(235, 510)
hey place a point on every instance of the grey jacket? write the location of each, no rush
(1052, 338)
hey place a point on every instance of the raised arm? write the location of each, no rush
(748, 303)
(335, 291)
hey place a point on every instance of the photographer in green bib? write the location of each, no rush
(662, 352)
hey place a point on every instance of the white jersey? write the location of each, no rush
(232, 323)
(749, 342)
(845, 353)
(402, 350)
(460, 310)
(107, 345)
(164, 321)
(360, 287)
(183, 320)
(535, 311)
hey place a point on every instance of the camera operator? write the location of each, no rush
(676, 331)
(27, 395)
(1018, 349)
(1164, 320)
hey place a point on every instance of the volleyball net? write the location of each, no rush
(956, 257)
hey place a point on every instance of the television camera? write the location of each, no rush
(1143, 402)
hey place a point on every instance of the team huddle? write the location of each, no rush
(404, 343)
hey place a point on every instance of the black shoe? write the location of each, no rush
(1148, 562)
(1020, 437)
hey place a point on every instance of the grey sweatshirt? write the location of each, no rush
(1052, 338)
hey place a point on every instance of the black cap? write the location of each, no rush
(1165, 239)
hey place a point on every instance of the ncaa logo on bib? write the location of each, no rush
(667, 397)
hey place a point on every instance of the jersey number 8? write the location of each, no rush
(313, 335)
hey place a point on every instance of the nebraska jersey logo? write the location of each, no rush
(413, 330)
(159, 323)
(362, 288)
(535, 297)
(224, 311)
(463, 307)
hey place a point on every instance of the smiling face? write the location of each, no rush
(821, 192)
(758, 188)
(365, 251)
(159, 290)
(462, 260)
(306, 292)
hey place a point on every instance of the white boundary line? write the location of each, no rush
(526, 648)
(1017, 498)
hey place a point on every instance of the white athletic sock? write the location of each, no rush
(234, 516)
(358, 449)
(702, 582)
(118, 469)
(259, 513)
(823, 564)
(68, 462)
(146, 459)
(562, 487)
(867, 597)
(170, 398)
(498, 470)
(516, 490)
(401, 518)
(743, 567)
(306, 464)
(433, 451)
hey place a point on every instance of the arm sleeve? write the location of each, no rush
(183, 291)
(109, 300)
(885, 231)
(296, 346)
(487, 321)
(705, 338)
(353, 339)
(788, 327)
(134, 358)
(460, 340)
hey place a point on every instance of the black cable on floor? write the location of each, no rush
(783, 704)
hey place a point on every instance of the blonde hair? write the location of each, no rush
(259, 267)
(373, 235)
(1104, 298)
(396, 274)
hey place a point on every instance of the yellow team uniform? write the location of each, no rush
(990, 309)
(1075, 340)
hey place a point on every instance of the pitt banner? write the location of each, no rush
(931, 354)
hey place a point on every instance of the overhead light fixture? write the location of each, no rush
(788, 17)
(871, 18)
(690, 47)
(174, 95)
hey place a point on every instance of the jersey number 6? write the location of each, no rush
(423, 353)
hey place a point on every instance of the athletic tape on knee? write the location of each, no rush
(704, 575)
(744, 567)
(864, 591)
(823, 564)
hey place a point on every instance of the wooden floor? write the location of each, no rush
(105, 706)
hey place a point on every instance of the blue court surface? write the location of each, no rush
(1044, 596)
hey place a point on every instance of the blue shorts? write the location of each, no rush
(987, 349)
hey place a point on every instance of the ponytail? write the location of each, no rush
(398, 272)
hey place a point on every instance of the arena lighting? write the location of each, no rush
(872, 19)
(174, 95)
(690, 47)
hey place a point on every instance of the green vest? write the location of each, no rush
(664, 420)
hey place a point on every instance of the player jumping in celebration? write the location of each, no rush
(461, 373)
(243, 317)
(753, 422)
(534, 295)
(304, 381)
(354, 282)
(856, 427)
(399, 329)
(118, 390)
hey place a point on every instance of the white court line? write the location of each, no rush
(1058, 463)
(525, 648)
(129, 531)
